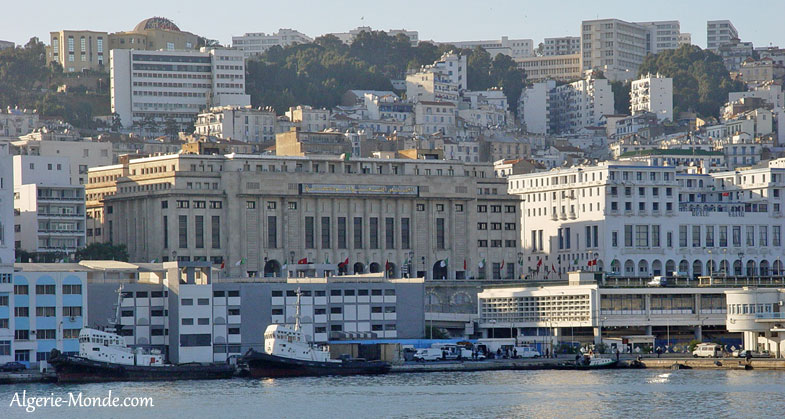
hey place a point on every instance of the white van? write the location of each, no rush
(657, 281)
(707, 350)
(527, 352)
(428, 354)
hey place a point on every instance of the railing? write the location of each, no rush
(704, 281)
(773, 316)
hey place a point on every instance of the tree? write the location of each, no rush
(171, 129)
(700, 80)
(150, 124)
(103, 251)
(435, 333)
(117, 124)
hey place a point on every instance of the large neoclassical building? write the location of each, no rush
(258, 214)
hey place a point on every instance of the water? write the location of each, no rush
(535, 394)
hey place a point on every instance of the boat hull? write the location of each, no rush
(74, 369)
(574, 366)
(262, 365)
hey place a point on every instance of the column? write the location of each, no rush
(597, 335)
(699, 333)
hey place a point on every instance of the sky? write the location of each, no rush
(438, 20)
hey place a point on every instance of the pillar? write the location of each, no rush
(648, 330)
(597, 335)
(699, 333)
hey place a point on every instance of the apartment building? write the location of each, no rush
(614, 46)
(241, 123)
(652, 93)
(309, 118)
(757, 314)
(49, 212)
(661, 35)
(400, 212)
(579, 104)
(564, 45)
(435, 117)
(349, 37)
(153, 34)
(304, 143)
(514, 48)
(256, 43)
(441, 81)
(6, 252)
(202, 317)
(534, 109)
(15, 122)
(175, 85)
(42, 308)
(81, 154)
(564, 67)
(635, 220)
(719, 32)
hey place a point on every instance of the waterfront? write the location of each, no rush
(616, 393)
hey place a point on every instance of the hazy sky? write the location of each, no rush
(438, 20)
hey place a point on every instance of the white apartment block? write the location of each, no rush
(256, 43)
(653, 93)
(309, 119)
(564, 45)
(566, 67)
(81, 154)
(579, 104)
(769, 92)
(467, 151)
(533, 108)
(639, 221)
(6, 215)
(6, 45)
(15, 122)
(719, 32)
(241, 123)
(614, 46)
(49, 212)
(661, 35)
(515, 48)
(175, 84)
(685, 38)
(348, 37)
(443, 80)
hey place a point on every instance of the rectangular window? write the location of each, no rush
(45, 289)
(405, 244)
(199, 231)
(723, 236)
(373, 226)
(655, 236)
(682, 236)
(20, 289)
(763, 236)
(309, 233)
(183, 231)
(45, 311)
(358, 232)
(628, 235)
(736, 236)
(615, 239)
(326, 233)
(776, 236)
(272, 231)
(342, 233)
(696, 236)
(389, 233)
(709, 236)
(750, 236)
(215, 231)
(440, 233)
(166, 232)
(641, 236)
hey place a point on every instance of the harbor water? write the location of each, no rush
(535, 394)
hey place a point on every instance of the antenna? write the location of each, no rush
(297, 314)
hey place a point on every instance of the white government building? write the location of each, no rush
(641, 221)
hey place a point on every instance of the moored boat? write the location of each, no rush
(589, 363)
(104, 356)
(287, 353)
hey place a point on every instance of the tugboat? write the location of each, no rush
(104, 356)
(288, 354)
(589, 362)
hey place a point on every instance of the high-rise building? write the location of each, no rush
(256, 43)
(652, 93)
(441, 81)
(515, 48)
(661, 35)
(564, 67)
(719, 32)
(565, 45)
(174, 85)
(77, 51)
(579, 104)
(614, 46)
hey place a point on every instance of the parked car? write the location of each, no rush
(657, 281)
(12, 366)
(753, 354)
(707, 350)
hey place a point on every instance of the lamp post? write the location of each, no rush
(741, 262)
(424, 274)
(493, 323)
(520, 264)
(411, 262)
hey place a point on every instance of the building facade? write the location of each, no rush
(579, 104)
(565, 67)
(77, 51)
(514, 48)
(403, 215)
(564, 45)
(15, 122)
(653, 94)
(614, 46)
(661, 35)
(241, 123)
(256, 43)
(174, 85)
(637, 220)
(719, 32)
(153, 34)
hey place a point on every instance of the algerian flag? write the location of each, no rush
(154, 260)
(576, 261)
(240, 262)
(482, 263)
(444, 262)
(406, 262)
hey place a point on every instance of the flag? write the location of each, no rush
(553, 267)
(346, 156)
(482, 263)
(387, 265)
(223, 264)
(726, 194)
(240, 262)
(344, 263)
(464, 264)
(154, 260)
(539, 263)
(502, 266)
(576, 261)
(326, 259)
(303, 261)
(444, 262)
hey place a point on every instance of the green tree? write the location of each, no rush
(171, 129)
(700, 80)
(432, 332)
(117, 123)
(103, 251)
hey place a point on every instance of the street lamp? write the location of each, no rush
(424, 274)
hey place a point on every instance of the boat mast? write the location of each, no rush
(297, 313)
